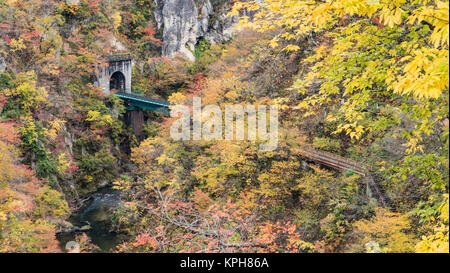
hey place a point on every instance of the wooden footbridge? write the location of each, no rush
(344, 164)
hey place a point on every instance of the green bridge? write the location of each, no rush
(135, 102)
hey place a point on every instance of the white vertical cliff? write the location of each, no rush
(185, 21)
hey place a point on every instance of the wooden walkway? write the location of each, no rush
(343, 164)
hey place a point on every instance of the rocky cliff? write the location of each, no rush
(184, 22)
(2, 64)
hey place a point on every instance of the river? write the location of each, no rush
(96, 214)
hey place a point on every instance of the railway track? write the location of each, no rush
(344, 164)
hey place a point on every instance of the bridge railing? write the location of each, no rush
(344, 164)
(136, 102)
(332, 160)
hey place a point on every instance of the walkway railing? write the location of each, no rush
(344, 164)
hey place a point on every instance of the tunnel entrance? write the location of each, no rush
(117, 81)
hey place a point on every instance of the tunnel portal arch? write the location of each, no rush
(117, 81)
(117, 75)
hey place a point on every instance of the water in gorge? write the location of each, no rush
(94, 219)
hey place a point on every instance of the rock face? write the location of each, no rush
(184, 22)
(2, 65)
